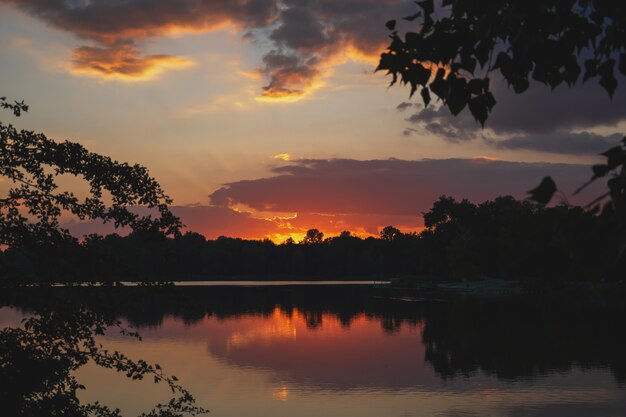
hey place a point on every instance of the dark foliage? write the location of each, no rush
(504, 238)
(30, 212)
(552, 42)
(38, 360)
(460, 42)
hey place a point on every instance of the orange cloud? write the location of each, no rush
(122, 62)
(307, 39)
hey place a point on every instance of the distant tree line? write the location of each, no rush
(503, 238)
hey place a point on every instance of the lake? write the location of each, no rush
(363, 351)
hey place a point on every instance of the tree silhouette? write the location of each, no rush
(552, 41)
(460, 42)
(313, 236)
(390, 233)
(38, 360)
(30, 212)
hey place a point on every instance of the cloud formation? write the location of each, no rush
(210, 221)
(361, 196)
(582, 143)
(306, 38)
(313, 36)
(122, 61)
(115, 31)
(539, 120)
(388, 188)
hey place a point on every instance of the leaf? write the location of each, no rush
(475, 86)
(572, 71)
(422, 74)
(520, 85)
(544, 192)
(478, 110)
(607, 79)
(502, 61)
(600, 171)
(439, 86)
(490, 100)
(457, 98)
(468, 64)
(425, 96)
(609, 84)
(391, 24)
(427, 5)
(591, 69)
(615, 157)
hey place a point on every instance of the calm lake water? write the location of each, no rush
(361, 351)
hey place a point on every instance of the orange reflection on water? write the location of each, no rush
(280, 393)
(277, 326)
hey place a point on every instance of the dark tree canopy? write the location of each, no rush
(30, 212)
(313, 236)
(462, 41)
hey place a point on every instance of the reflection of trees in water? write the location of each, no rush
(38, 361)
(515, 338)
(508, 337)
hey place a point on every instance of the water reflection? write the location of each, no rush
(358, 351)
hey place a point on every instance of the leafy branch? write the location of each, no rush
(29, 214)
(39, 358)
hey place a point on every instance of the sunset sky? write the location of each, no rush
(264, 118)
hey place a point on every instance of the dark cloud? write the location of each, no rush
(322, 32)
(440, 122)
(310, 35)
(115, 28)
(540, 119)
(539, 110)
(300, 28)
(306, 39)
(361, 196)
(289, 76)
(108, 21)
(404, 105)
(542, 110)
(583, 143)
(390, 187)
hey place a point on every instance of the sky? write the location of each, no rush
(264, 118)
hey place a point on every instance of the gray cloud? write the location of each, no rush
(539, 120)
(115, 30)
(404, 105)
(390, 187)
(305, 38)
(541, 110)
(440, 122)
(583, 143)
(309, 35)
(107, 21)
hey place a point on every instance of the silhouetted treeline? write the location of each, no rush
(504, 238)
